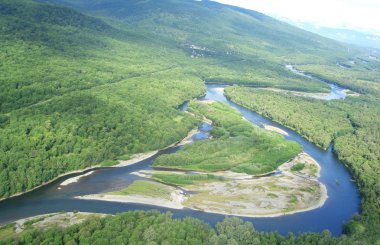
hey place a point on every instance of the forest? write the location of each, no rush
(153, 227)
(87, 83)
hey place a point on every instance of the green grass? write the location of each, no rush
(185, 179)
(7, 232)
(109, 163)
(272, 195)
(297, 167)
(145, 188)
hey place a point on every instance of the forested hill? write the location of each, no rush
(220, 28)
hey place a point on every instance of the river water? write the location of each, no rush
(343, 201)
(336, 92)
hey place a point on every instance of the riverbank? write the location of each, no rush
(283, 193)
(80, 171)
(175, 202)
(275, 129)
(46, 221)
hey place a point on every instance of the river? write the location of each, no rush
(336, 92)
(343, 201)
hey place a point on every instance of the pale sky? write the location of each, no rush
(362, 15)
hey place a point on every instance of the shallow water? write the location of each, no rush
(343, 201)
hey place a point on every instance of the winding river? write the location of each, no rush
(343, 201)
(336, 92)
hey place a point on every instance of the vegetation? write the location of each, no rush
(314, 119)
(145, 188)
(363, 77)
(153, 227)
(69, 104)
(77, 91)
(7, 232)
(352, 124)
(297, 167)
(237, 145)
(184, 179)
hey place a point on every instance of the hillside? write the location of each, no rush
(259, 45)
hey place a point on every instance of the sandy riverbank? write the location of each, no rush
(75, 179)
(275, 129)
(175, 201)
(285, 193)
(240, 194)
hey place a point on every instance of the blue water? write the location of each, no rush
(343, 201)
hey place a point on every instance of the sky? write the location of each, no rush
(361, 15)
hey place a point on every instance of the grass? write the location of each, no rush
(145, 188)
(297, 167)
(7, 232)
(109, 163)
(293, 199)
(272, 195)
(185, 179)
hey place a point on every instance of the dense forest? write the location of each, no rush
(153, 227)
(88, 82)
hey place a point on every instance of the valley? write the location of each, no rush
(195, 109)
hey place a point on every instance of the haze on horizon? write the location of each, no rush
(346, 14)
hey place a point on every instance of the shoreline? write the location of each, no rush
(177, 198)
(74, 179)
(139, 199)
(157, 202)
(80, 171)
(275, 129)
(138, 158)
(318, 205)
